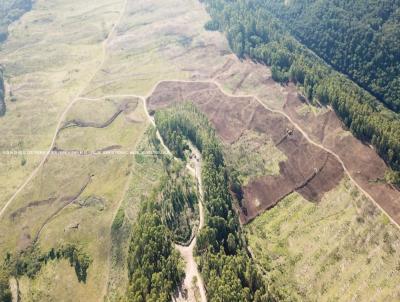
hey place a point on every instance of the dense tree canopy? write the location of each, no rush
(228, 271)
(254, 31)
(154, 265)
(179, 205)
(360, 38)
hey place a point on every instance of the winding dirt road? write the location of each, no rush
(187, 251)
(191, 269)
(66, 110)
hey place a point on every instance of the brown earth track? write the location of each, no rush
(362, 162)
(77, 152)
(309, 170)
(109, 148)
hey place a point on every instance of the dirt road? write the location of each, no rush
(191, 269)
(66, 110)
(187, 251)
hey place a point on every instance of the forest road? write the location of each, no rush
(187, 252)
(191, 270)
(193, 281)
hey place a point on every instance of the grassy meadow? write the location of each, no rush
(341, 249)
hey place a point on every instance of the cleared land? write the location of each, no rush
(321, 125)
(367, 168)
(307, 170)
(161, 40)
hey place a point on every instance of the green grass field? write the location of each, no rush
(342, 249)
(50, 56)
(254, 155)
(93, 210)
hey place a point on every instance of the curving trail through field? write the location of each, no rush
(187, 252)
(66, 110)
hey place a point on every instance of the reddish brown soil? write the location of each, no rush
(362, 162)
(308, 169)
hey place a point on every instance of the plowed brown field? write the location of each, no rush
(361, 160)
(308, 170)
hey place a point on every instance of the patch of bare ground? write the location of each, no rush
(308, 169)
(362, 162)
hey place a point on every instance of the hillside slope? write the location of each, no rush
(83, 101)
(359, 38)
(10, 11)
(253, 30)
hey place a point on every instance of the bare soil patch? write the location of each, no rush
(308, 169)
(361, 160)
